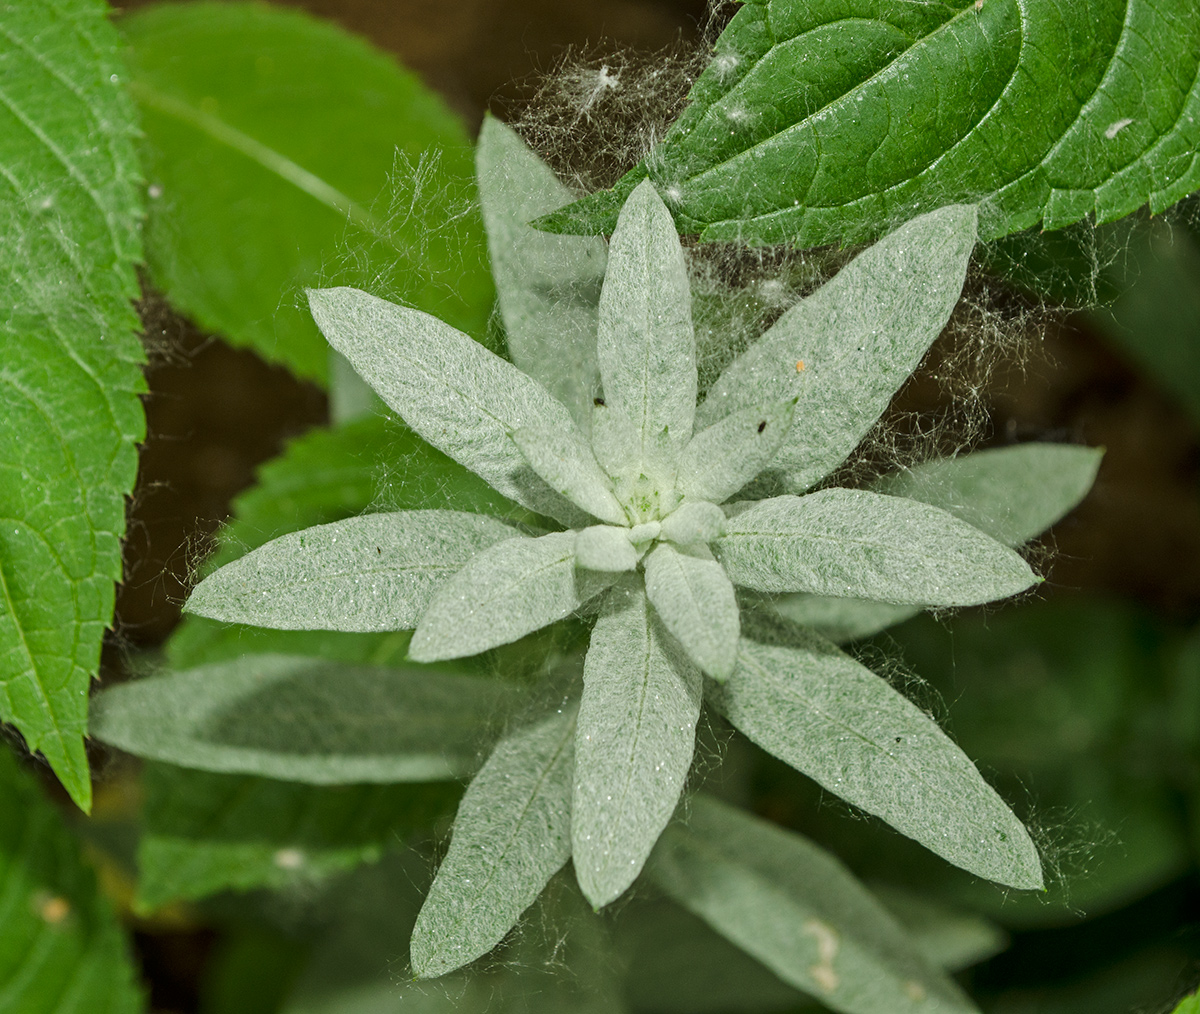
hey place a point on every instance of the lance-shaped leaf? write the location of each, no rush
(456, 394)
(858, 338)
(695, 521)
(566, 464)
(645, 343)
(846, 728)
(1012, 494)
(504, 593)
(799, 911)
(816, 123)
(511, 835)
(696, 603)
(863, 545)
(306, 719)
(634, 744)
(375, 572)
(547, 286)
(721, 459)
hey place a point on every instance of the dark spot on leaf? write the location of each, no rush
(598, 401)
(762, 425)
(899, 739)
(379, 551)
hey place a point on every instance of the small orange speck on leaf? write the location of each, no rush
(53, 909)
(799, 365)
(979, 5)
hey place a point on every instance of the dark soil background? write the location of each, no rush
(215, 414)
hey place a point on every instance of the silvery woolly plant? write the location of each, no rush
(698, 536)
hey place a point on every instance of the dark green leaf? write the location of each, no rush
(70, 206)
(61, 948)
(824, 123)
(206, 832)
(307, 720)
(281, 153)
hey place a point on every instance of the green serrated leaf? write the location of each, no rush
(819, 124)
(696, 603)
(504, 593)
(307, 720)
(70, 211)
(62, 950)
(855, 340)
(511, 835)
(826, 936)
(371, 573)
(1188, 1005)
(321, 477)
(547, 286)
(206, 832)
(461, 398)
(634, 744)
(645, 343)
(847, 729)
(849, 542)
(283, 152)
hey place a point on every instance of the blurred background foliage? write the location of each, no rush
(279, 151)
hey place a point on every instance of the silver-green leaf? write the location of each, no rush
(849, 542)
(566, 463)
(645, 343)
(721, 459)
(1011, 493)
(846, 728)
(511, 835)
(502, 594)
(696, 603)
(799, 911)
(634, 744)
(375, 572)
(605, 547)
(547, 286)
(856, 339)
(457, 395)
(306, 720)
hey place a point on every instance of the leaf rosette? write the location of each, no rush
(697, 535)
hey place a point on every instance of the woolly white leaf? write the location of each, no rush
(306, 720)
(502, 594)
(693, 522)
(646, 532)
(846, 728)
(799, 911)
(375, 572)
(849, 542)
(634, 744)
(568, 467)
(840, 620)
(1012, 494)
(859, 337)
(615, 442)
(457, 395)
(645, 343)
(720, 460)
(547, 285)
(603, 547)
(511, 835)
(696, 603)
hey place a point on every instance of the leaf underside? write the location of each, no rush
(285, 152)
(816, 124)
(70, 204)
